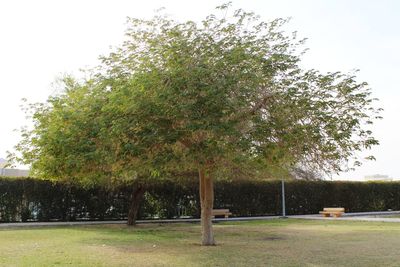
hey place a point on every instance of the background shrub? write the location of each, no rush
(28, 199)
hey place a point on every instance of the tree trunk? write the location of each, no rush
(207, 202)
(136, 199)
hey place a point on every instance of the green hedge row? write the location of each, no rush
(37, 200)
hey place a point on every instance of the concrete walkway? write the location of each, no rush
(356, 216)
(359, 218)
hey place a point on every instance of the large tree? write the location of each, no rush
(225, 97)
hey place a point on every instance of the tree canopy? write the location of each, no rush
(225, 97)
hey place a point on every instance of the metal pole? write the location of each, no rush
(283, 200)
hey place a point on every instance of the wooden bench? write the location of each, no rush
(221, 212)
(335, 212)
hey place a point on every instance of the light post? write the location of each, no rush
(283, 200)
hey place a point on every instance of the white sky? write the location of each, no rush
(41, 40)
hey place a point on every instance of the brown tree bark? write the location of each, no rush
(206, 202)
(136, 199)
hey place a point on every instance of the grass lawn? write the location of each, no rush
(259, 243)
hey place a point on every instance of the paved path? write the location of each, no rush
(348, 218)
(357, 216)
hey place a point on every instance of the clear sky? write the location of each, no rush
(42, 40)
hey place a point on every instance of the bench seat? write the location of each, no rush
(335, 212)
(221, 212)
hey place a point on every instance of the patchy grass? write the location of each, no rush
(258, 243)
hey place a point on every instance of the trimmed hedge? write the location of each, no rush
(36, 200)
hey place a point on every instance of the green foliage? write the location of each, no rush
(37, 200)
(227, 95)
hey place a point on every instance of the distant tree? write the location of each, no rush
(223, 98)
(70, 142)
(306, 174)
